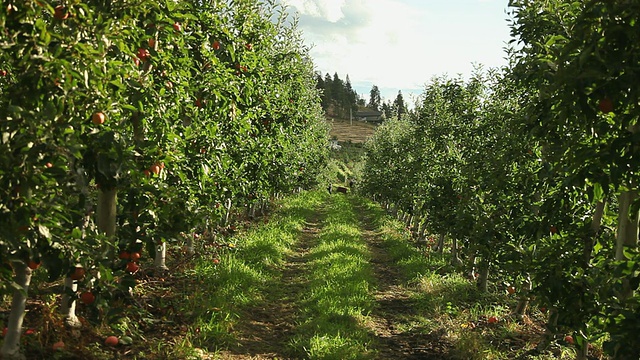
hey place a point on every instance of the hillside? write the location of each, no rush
(344, 131)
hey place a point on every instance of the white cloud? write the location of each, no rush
(401, 44)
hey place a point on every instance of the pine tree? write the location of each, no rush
(399, 107)
(374, 98)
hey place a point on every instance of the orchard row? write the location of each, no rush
(531, 170)
(126, 123)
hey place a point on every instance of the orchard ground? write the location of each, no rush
(323, 277)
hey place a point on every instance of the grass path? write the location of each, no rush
(337, 295)
(393, 320)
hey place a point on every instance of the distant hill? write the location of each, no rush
(344, 131)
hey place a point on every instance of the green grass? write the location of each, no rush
(338, 298)
(450, 304)
(244, 276)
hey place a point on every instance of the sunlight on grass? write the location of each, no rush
(242, 276)
(339, 295)
(452, 306)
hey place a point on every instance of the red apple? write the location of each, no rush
(3, 73)
(32, 264)
(568, 339)
(132, 267)
(97, 118)
(155, 168)
(553, 229)
(58, 345)
(248, 46)
(216, 261)
(77, 274)
(60, 13)
(124, 255)
(143, 54)
(146, 172)
(511, 290)
(605, 105)
(48, 165)
(30, 332)
(177, 26)
(152, 42)
(493, 320)
(111, 341)
(135, 256)
(87, 297)
(216, 45)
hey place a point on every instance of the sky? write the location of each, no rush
(402, 44)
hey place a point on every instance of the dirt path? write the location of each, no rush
(392, 319)
(268, 328)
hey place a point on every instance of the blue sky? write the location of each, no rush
(402, 44)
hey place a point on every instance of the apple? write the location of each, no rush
(155, 168)
(97, 118)
(143, 54)
(216, 261)
(169, 85)
(177, 26)
(30, 332)
(135, 256)
(216, 45)
(124, 255)
(60, 13)
(248, 46)
(136, 61)
(511, 290)
(111, 341)
(147, 173)
(58, 345)
(605, 105)
(48, 165)
(132, 267)
(32, 264)
(3, 73)
(78, 273)
(569, 339)
(198, 103)
(152, 42)
(493, 320)
(203, 150)
(553, 229)
(87, 297)
(543, 309)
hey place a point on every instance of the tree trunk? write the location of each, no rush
(68, 306)
(11, 346)
(627, 224)
(455, 258)
(440, 246)
(228, 214)
(590, 239)
(160, 259)
(627, 233)
(523, 304)
(191, 250)
(106, 213)
(483, 274)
